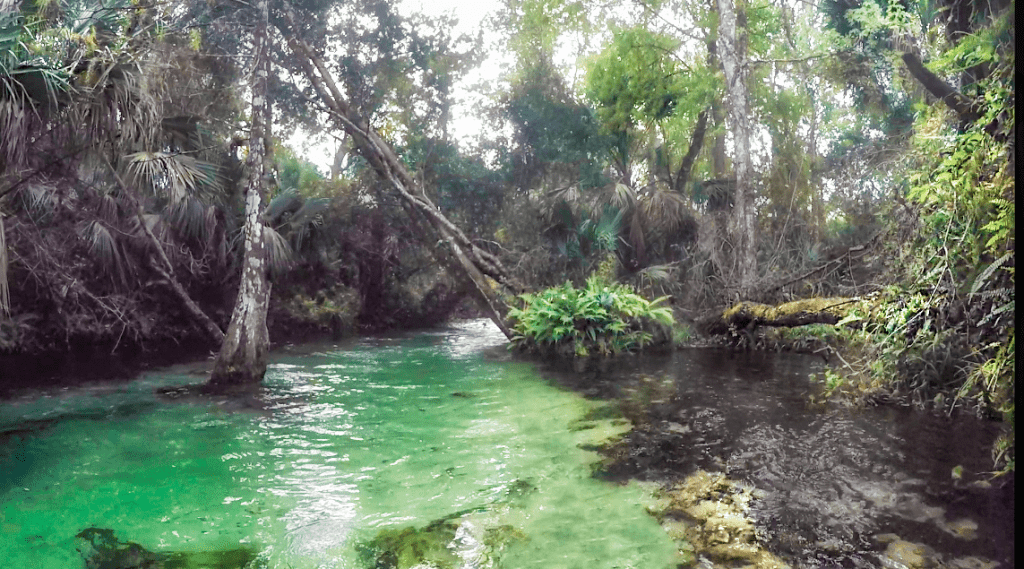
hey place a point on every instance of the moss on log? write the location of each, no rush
(749, 315)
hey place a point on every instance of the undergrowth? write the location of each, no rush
(598, 319)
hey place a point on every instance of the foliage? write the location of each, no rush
(647, 99)
(295, 173)
(111, 165)
(967, 244)
(558, 140)
(598, 319)
(468, 192)
(331, 310)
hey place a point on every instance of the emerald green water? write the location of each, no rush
(350, 440)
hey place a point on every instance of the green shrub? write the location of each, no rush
(600, 318)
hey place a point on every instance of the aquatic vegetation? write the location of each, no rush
(707, 513)
(441, 544)
(101, 549)
(410, 547)
(600, 318)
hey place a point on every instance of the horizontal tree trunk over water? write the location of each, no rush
(749, 315)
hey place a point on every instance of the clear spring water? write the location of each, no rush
(355, 438)
(388, 433)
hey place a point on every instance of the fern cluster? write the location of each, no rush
(599, 318)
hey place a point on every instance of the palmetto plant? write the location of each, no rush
(290, 221)
(84, 139)
(635, 226)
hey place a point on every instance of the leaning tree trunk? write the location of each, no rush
(163, 267)
(732, 45)
(243, 355)
(470, 264)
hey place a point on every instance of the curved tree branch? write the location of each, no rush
(940, 89)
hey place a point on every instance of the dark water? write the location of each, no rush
(835, 483)
(390, 433)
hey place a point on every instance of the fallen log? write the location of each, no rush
(749, 315)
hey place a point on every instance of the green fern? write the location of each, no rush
(599, 318)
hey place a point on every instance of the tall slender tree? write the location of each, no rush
(243, 355)
(732, 47)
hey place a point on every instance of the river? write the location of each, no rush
(440, 448)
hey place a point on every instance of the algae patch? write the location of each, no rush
(708, 515)
(441, 544)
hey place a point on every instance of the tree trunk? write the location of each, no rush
(717, 120)
(243, 355)
(817, 200)
(750, 315)
(732, 47)
(682, 176)
(466, 260)
(940, 89)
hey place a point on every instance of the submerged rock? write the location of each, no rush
(707, 513)
(441, 544)
(100, 549)
(902, 554)
(410, 547)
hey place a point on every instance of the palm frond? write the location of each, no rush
(286, 202)
(569, 194)
(179, 176)
(656, 275)
(108, 208)
(40, 198)
(665, 211)
(622, 197)
(311, 211)
(15, 127)
(103, 246)
(303, 222)
(192, 219)
(279, 253)
(606, 230)
(80, 16)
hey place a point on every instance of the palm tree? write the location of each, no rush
(133, 182)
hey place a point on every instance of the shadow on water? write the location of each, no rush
(835, 484)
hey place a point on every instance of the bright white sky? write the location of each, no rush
(470, 14)
(464, 126)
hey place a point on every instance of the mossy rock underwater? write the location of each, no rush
(437, 545)
(710, 513)
(101, 549)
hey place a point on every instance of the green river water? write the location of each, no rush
(352, 439)
(442, 438)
